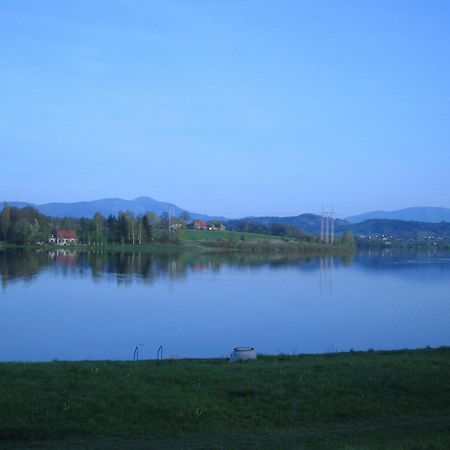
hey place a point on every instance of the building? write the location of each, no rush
(201, 225)
(217, 226)
(214, 226)
(63, 237)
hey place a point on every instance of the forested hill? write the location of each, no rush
(307, 222)
(405, 229)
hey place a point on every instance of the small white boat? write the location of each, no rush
(243, 354)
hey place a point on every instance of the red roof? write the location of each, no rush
(66, 234)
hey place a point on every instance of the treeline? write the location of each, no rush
(274, 229)
(27, 225)
(23, 225)
(125, 228)
(277, 229)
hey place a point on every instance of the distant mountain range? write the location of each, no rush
(417, 214)
(108, 206)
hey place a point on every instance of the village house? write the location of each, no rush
(201, 225)
(63, 237)
(217, 227)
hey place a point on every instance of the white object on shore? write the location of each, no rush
(243, 354)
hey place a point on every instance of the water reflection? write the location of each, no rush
(128, 266)
(326, 264)
(72, 305)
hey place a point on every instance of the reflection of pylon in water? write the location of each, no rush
(327, 226)
(326, 268)
(321, 227)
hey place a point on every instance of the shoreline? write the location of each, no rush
(260, 357)
(258, 247)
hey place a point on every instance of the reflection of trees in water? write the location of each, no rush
(21, 264)
(128, 266)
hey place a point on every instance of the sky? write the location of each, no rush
(235, 108)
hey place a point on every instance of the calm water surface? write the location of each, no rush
(72, 306)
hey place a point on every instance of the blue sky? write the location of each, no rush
(227, 107)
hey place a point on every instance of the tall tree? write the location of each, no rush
(122, 227)
(4, 222)
(111, 229)
(98, 225)
(147, 229)
(152, 218)
(85, 230)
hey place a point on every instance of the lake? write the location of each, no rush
(94, 305)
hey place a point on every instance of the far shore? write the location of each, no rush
(208, 241)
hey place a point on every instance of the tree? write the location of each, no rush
(132, 227)
(122, 227)
(152, 218)
(22, 232)
(278, 229)
(347, 237)
(185, 216)
(98, 228)
(147, 229)
(4, 222)
(85, 230)
(111, 229)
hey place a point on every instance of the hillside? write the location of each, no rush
(401, 228)
(418, 214)
(307, 222)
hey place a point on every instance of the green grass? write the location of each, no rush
(256, 243)
(202, 235)
(369, 400)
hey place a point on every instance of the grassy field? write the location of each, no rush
(203, 235)
(255, 243)
(395, 400)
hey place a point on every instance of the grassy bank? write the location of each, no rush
(349, 400)
(204, 235)
(200, 241)
(234, 241)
